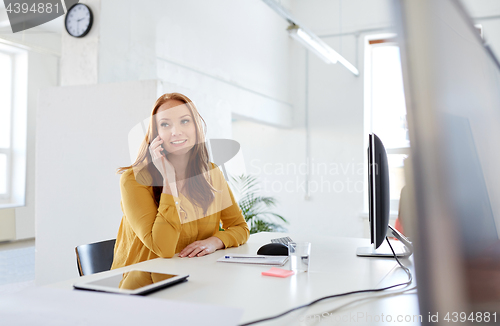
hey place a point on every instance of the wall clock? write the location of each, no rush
(78, 20)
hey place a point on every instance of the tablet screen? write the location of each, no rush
(132, 282)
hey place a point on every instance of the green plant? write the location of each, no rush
(256, 208)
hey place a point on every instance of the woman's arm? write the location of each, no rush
(202, 247)
(157, 227)
(236, 231)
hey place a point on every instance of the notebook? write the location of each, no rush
(254, 259)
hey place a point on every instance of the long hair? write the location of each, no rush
(198, 188)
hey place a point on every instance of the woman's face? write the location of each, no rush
(176, 127)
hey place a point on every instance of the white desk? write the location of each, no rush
(334, 268)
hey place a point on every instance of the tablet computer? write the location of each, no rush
(132, 282)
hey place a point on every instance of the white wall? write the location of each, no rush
(37, 38)
(79, 56)
(234, 52)
(335, 105)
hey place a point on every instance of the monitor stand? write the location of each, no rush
(403, 249)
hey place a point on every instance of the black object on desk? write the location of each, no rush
(273, 249)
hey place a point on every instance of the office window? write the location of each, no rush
(385, 110)
(5, 122)
(13, 110)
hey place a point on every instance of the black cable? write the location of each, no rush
(408, 272)
(374, 297)
(406, 269)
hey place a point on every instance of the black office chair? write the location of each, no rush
(95, 257)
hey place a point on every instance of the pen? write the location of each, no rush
(241, 257)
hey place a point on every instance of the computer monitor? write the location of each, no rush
(379, 204)
(452, 89)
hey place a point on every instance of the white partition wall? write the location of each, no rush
(81, 140)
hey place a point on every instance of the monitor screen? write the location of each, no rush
(379, 206)
(378, 190)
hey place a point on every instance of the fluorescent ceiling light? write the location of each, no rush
(322, 50)
(309, 39)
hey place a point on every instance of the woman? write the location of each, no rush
(173, 198)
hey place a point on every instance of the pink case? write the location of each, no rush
(278, 272)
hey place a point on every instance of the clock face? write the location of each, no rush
(78, 20)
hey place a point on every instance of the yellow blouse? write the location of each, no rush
(148, 231)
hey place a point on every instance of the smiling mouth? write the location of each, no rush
(178, 142)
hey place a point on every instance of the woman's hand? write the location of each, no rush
(163, 165)
(202, 247)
